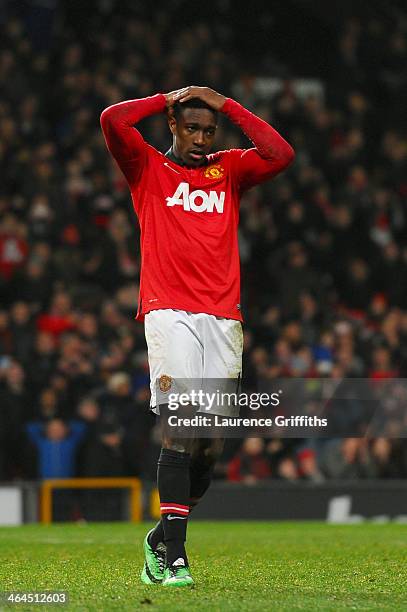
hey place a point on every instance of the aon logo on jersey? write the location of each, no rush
(198, 200)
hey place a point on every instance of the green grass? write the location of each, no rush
(237, 566)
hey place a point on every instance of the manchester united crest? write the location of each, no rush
(164, 383)
(214, 172)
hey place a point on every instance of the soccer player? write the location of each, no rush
(187, 203)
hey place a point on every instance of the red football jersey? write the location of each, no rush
(189, 216)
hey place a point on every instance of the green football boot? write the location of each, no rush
(154, 564)
(177, 575)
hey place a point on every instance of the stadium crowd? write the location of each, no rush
(323, 248)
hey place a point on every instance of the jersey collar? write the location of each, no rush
(177, 160)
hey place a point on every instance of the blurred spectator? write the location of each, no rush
(13, 246)
(384, 459)
(104, 455)
(308, 468)
(346, 459)
(22, 329)
(59, 318)
(14, 401)
(116, 401)
(56, 443)
(250, 465)
(381, 364)
(48, 405)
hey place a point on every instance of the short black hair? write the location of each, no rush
(192, 103)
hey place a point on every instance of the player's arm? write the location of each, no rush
(271, 154)
(123, 140)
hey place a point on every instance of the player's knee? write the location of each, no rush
(177, 445)
(208, 455)
(174, 458)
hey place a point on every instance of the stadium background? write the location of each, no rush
(324, 252)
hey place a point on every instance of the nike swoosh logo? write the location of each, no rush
(171, 168)
(172, 518)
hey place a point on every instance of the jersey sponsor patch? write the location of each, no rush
(198, 200)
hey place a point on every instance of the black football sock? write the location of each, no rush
(174, 487)
(156, 537)
(200, 477)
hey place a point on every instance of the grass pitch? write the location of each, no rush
(237, 567)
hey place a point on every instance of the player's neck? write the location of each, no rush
(177, 160)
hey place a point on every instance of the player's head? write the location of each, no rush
(193, 125)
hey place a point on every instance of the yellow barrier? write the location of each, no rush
(133, 484)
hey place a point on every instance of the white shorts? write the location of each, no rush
(186, 346)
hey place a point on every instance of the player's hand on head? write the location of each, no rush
(208, 95)
(173, 96)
